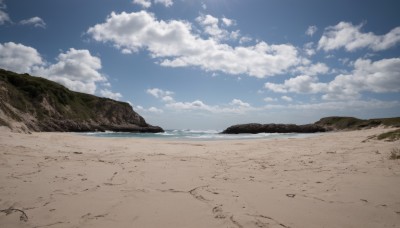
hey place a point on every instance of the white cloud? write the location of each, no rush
(299, 84)
(204, 6)
(195, 105)
(228, 22)
(76, 69)
(313, 69)
(381, 76)
(309, 49)
(348, 36)
(166, 3)
(164, 95)
(211, 27)
(345, 105)
(34, 21)
(311, 30)
(237, 102)
(270, 99)
(236, 106)
(143, 3)
(245, 39)
(19, 58)
(4, 18)
(109, 94)
(167, 99)
(174, 44)
(287, 98)
(155, 110)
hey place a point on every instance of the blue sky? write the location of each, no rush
(213, 63)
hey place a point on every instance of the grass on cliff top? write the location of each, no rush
(352, 123)
(28, 92)
(390, 136)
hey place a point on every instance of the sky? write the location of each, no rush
(209, 64)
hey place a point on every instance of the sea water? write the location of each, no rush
(197, 135)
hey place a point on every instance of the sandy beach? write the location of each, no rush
(340, 179)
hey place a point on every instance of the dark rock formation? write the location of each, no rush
(31, 103)
(254, 128)
(325, 124)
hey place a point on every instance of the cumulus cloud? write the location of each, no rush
(311, 30)
(164, 95)
(236, 106)
(109, 94)
(155, 110)
(299, 84)
(237, 102)
(34, 21)
(287, 98)
(174, 44)
(195, 105)
(228, 22)
(381, 76)
(4, 18)
(313, 69)
(270, 99)
(349, 36)
(166, 3)
(308, 48)
(76, 69)
(19, 58)
(343, 105)
(211, 27)
(143, 3)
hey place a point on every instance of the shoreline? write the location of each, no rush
(336, 179)
(197, 135)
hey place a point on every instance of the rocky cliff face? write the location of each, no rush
(29, 103)
(254, 128)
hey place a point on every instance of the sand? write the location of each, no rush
(338, 179)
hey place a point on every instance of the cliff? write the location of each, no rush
(29, 103)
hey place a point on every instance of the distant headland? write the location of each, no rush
(29, 103)
(323, 125)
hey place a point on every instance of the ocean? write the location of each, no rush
(197, 135)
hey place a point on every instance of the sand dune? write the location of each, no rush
(332, 180)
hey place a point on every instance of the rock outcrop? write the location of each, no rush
(333, 123)
(29, 103)
(254, 128)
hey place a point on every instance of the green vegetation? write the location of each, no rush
(395, 154)
(390, 136)
(28, 93)
(44, 105)
(351, 123)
